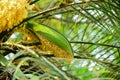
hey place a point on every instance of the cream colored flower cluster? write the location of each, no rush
(12, 12)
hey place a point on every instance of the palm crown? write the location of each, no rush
(88, 30)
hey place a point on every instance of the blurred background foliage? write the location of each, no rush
(92, 28)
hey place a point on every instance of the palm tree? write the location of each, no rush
(91, 28)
